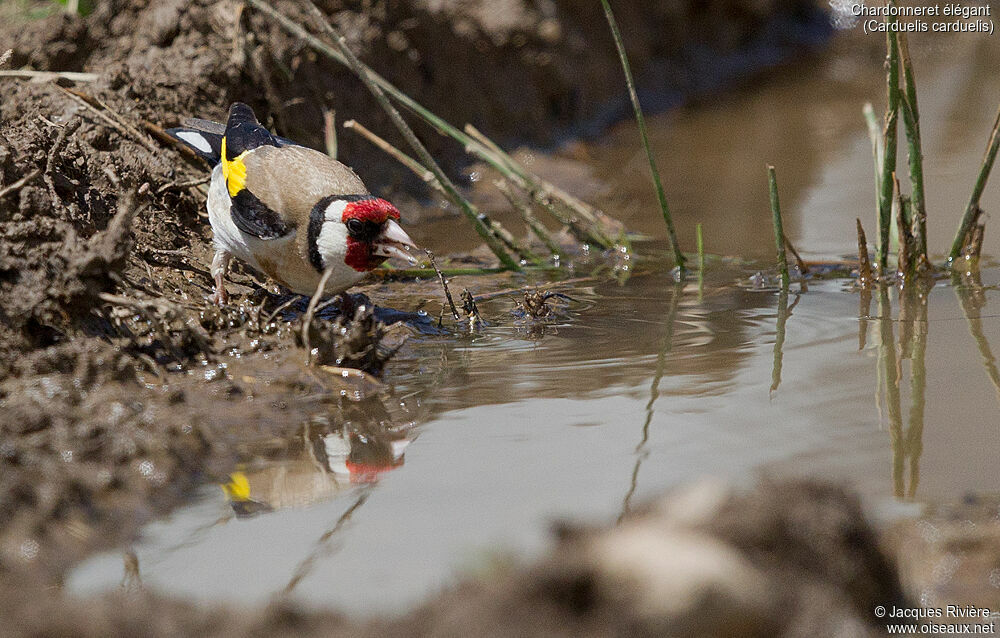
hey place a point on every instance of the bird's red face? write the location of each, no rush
(373, 234)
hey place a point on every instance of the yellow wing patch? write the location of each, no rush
(238, 487)
(235, 171)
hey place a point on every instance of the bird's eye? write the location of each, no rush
(355, 226)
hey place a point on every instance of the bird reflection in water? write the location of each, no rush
(325, 461)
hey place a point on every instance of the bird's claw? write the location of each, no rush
(220, 297)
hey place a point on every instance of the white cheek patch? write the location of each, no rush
(195, 139)
(335, 211)
(332, 242)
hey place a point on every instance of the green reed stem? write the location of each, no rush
(700, 243)
(977, 192)
(427, 273)
(890, 136)
(911, 123)
(641, 121)
(779, 232)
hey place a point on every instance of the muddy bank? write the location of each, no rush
(784, 559)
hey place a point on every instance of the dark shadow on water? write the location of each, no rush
(291, 306)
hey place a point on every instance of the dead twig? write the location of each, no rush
(311, 310)
(471, 310)
(330, 132)
(167, 309)
(41, 76)
(864, 265)
(5, 57)
(803, 268)
(21, 183)
(109, 117)
(278, 310)
(181, 185)
(416, 167)
(444, 284)
(906, 253)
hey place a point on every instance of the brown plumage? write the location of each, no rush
(289, 211)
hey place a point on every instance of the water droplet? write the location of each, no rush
(30, 549)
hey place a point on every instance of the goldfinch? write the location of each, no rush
(288, 211)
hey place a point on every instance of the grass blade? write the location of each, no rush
(911, 124)
(779, 231)
(641, 121)
(972, 210)
(889, 136)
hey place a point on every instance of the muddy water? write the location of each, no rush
(484, 439)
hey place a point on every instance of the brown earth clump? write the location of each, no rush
(783, 559)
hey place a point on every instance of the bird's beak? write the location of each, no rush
(394, 242)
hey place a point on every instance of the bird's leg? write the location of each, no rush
(220, 266)
(347, 306)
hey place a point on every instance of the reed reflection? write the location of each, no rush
(906, 438)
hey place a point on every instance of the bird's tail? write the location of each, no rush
(242, 133)
(201, 136)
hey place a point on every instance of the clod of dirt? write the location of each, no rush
(43, 300)
(535, 315)
(361, 342)
(471, 311)
(534, 305)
